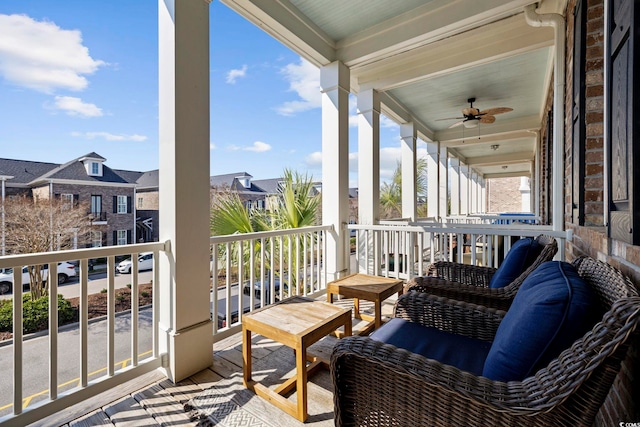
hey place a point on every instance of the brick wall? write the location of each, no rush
(592, 239)
(503, 195)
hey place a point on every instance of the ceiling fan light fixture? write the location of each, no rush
(471, 123)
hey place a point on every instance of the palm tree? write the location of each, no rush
(391, 192)
(297, 206)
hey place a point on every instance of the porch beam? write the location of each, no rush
(334, 83)
(501, 159)
(433, 57)
(186, 332)
(409, 139)
(290, 27)
(501, 130)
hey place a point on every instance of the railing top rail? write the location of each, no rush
(265, 234)
(74, 254)
(515, 229)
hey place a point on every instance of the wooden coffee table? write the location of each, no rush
(366, 287)
(296, 322)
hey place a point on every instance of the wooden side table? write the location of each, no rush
(296, 322)
(366, 287)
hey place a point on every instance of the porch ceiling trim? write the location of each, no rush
(523, 127)
(285, 23)
(503, 39)
(501, 159)
(506, 175)
(396, 111)
(434, 21)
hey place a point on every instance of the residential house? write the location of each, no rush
(108, 193)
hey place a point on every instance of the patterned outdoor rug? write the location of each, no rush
(228, 403)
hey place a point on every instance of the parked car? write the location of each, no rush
(65, 271)
(145, 262)
(257, 287)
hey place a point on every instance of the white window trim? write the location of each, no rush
(96, 238)
(122, 205)
(121, 237)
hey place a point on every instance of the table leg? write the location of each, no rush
(378, 313)
(246, 356)
(329, 297)
(348, 331)
(301, 386)
(356, 308)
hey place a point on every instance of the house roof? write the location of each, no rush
(26, 172)
(149, 179)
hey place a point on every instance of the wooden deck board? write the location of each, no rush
(161, 405)
(127, 412)
(153, 400)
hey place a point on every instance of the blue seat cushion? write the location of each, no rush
(467, 354)
(551, 310)
(521, 255)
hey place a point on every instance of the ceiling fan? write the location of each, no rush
(471, 116)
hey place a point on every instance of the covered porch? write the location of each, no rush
(417, 63)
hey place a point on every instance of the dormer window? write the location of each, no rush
(93, 166)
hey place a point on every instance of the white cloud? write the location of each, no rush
(234, 74)
(314, 160)
(42, 56)
(109, 136)
(75, 107)
(212, 146)
(257, 147)
(304, 80)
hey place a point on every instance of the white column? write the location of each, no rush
(409, 138)
(473, 193)
(368, 168)
(483, 195)
(334, 81)
(464, 189)
(185, 326)
(443, 168)
(433, 179)
(525, 193)
(455, 185)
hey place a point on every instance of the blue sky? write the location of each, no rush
(78, 76)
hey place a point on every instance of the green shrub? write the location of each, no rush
(129, 285)
(35, 314)
(144, 294)
(103, 291)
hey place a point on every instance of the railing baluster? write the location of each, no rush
(84, 322)
(134, 315)
(227, 309)
(53, 330)
(111, 309)
(241, 279)
(17, 340)
(156, 299)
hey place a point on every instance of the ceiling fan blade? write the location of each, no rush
(487, 119)
(449, 118)
(456, 124)
(470, 111)
(494, 111)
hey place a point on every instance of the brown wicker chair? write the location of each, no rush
(377, 384)
(470, 283)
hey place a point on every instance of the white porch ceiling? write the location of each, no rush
(426, 58)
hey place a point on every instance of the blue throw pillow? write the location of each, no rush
(521, 255)
(550, 311)
(466, 354)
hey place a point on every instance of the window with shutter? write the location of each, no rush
(624, 113)
(578, 114)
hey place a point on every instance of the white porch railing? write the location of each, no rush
(405, 250)
(256, 269)
(86, 388)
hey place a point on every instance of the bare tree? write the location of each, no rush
(41, 226)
